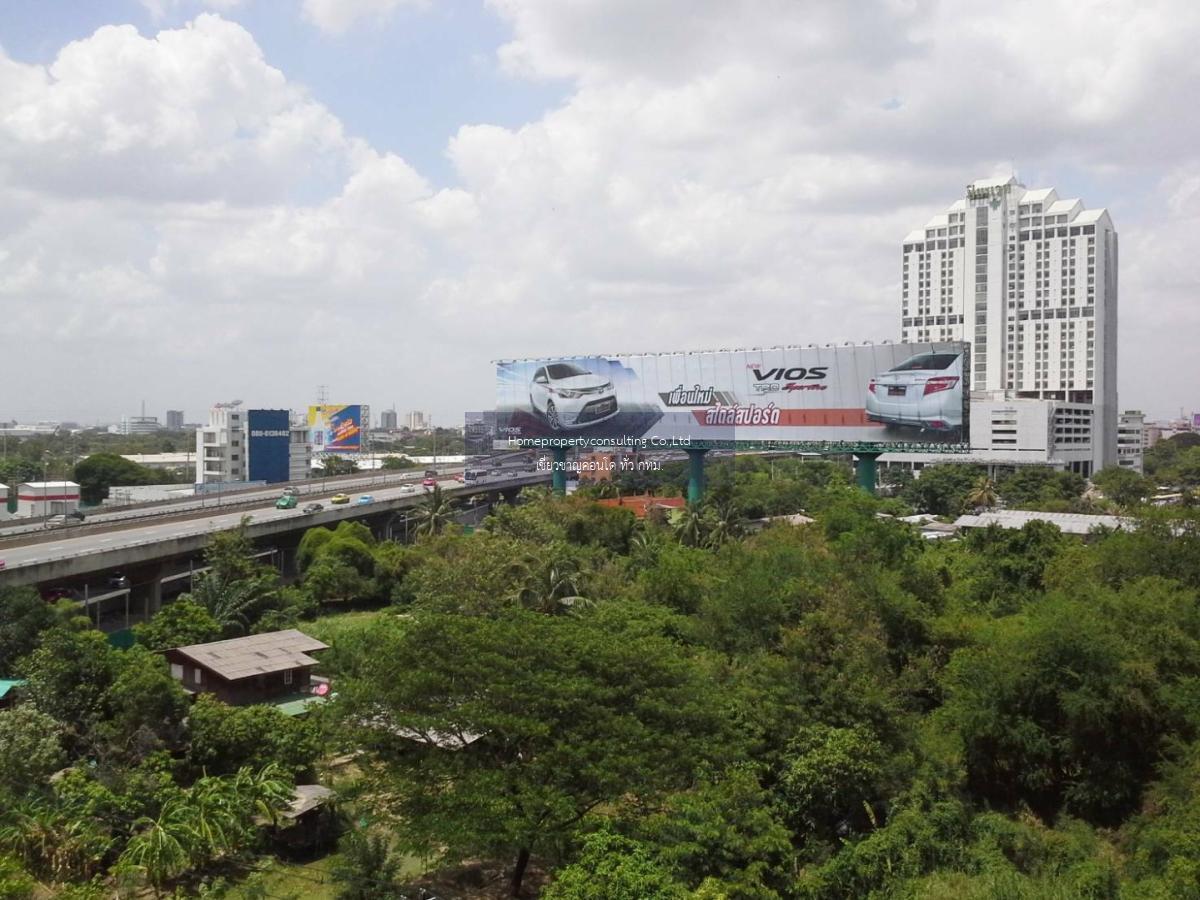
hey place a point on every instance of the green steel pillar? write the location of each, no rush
(558, 475)
(865, 470)
(695, 475)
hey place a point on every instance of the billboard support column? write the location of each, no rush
(865, 470)
(695, 475)
(558, 470)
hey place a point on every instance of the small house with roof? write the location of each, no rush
(258, 668)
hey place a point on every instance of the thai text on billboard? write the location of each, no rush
(337, 428)
(887, 394)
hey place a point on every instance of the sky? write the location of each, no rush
(208, 200)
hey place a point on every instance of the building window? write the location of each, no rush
(196, 676)
(177, 671)
(287, 677)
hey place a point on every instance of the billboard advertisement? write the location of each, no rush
(268, 432)
(337, 428)
(881, 393)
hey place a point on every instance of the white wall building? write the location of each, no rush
(47, 498)
(418, 421)
(221, 445)
(1131, 440)
(1030, 281)
(139, 424)
(223, 451)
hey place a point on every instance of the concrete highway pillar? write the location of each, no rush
(865, 471)
(695, 475)
(558, 475)
(154, 595)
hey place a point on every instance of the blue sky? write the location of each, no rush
(405, 84)
(400, 208)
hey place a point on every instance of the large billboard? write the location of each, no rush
(882, 393)
(337, 428)
(268, 444)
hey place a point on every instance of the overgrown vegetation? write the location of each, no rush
(707, 706)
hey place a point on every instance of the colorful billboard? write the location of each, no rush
(268, 446)
(889, 394)
(337, 428)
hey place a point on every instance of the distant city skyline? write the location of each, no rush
(501, 180)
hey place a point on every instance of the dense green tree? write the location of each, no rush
(144, 707)
(23, 617)
(178, 624)
(829, 777)
(366, 868)
(1124, 487)
(237, 589)
(332, 464)
(612, 867)
(724, 833)
(69, 675)
(942, 489)
(558, 715)
(101, 471)
(1041, 487)
(225, 738)
(30, 748)
(1067, 706)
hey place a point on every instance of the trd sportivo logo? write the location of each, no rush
(780, 378)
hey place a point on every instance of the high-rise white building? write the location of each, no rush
(1029, 280)
(418, 421)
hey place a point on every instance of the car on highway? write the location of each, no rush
(567, 396)
(71, 518)
(429, 482)
(408, 489)
(460, 478)
(2, 564)
(313, 507)
(339, 498)
(117, 581)
(291, 492)
(287, 501)
(365, 499)
(431, 473)
(925, 391)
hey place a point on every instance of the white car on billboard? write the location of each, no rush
(568, 396)
(924, 391)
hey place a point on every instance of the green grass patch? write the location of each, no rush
(331, 626)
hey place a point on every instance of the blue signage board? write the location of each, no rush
(268, 432)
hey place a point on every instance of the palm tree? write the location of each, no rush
(55, 845)
(983, 495)
(689, 526)
(553, 588)
(233, 602)
(435, 513)
(724, 522)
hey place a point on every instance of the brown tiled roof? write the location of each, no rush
(256, 654)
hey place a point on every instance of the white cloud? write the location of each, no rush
(339, 16)
(180, 217)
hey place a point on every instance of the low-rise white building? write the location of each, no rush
(47, 498)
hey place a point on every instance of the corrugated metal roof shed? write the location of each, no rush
(255, 654)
